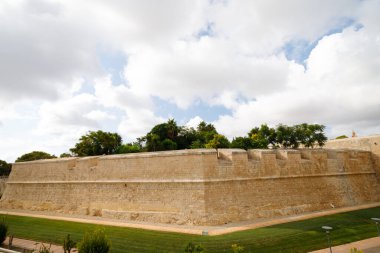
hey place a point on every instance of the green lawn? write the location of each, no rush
(299, 236)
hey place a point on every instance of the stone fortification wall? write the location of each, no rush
(195, 186)
(367, 143)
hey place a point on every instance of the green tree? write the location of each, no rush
(262, 136)
(128, 148)
(218, 141)
(205, 132)
(35, 155)
(97, 143)
(172, 129)
(319, 135)
(63, 155)
(5, 168)
(153, 142)
(341, 137)
(185, 138)
(243, 143)
(286, 136)
(202, 135)
(163, 136)
(310, 134)
(168, 144)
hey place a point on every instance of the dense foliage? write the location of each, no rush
(97, 143)
(5, 168)
(306, 135)
(3, 231)
(170, 136)
(35, 155)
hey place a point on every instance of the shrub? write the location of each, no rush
(355, 250)
(68, 244)
(236, 248)
(3, 231)
(96, 241)
(44, 249)
(194, 248)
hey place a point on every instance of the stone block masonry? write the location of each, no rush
(199, 187)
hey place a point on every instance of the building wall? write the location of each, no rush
(197, 187)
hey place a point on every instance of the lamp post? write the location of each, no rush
(328, 229)
(377, 220)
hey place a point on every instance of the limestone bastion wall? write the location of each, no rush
(197, 187)
(367, 143)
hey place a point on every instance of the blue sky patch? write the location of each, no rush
(300, 49)
(208, 31)
(113, 62)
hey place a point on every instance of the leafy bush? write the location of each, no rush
(44, 249)
(68, 244)
(3, 231)
(236, 248)
(194, 248)
(355, 250)
(96, 241)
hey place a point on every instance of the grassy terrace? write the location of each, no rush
(299, 236)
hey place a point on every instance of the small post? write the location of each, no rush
(328, 229)
(376, 220)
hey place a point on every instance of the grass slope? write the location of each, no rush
(299, 236)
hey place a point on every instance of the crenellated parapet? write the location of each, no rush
(285, 163)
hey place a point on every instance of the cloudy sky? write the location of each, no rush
(69, 66)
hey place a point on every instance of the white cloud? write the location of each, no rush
(97, 115)
(204, 69)
(137, 123)
(340, 89)
(43, 50)
(227, 53)
(67, 115)
(194, 122)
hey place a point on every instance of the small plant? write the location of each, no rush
(68, 244)
(95, 242)
(44, 249)
(194, 248)
(3, 231)
(355, 250)
(236, 248)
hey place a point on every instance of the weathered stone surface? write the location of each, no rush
(196, 186)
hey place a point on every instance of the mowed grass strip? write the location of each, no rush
(294, 237)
